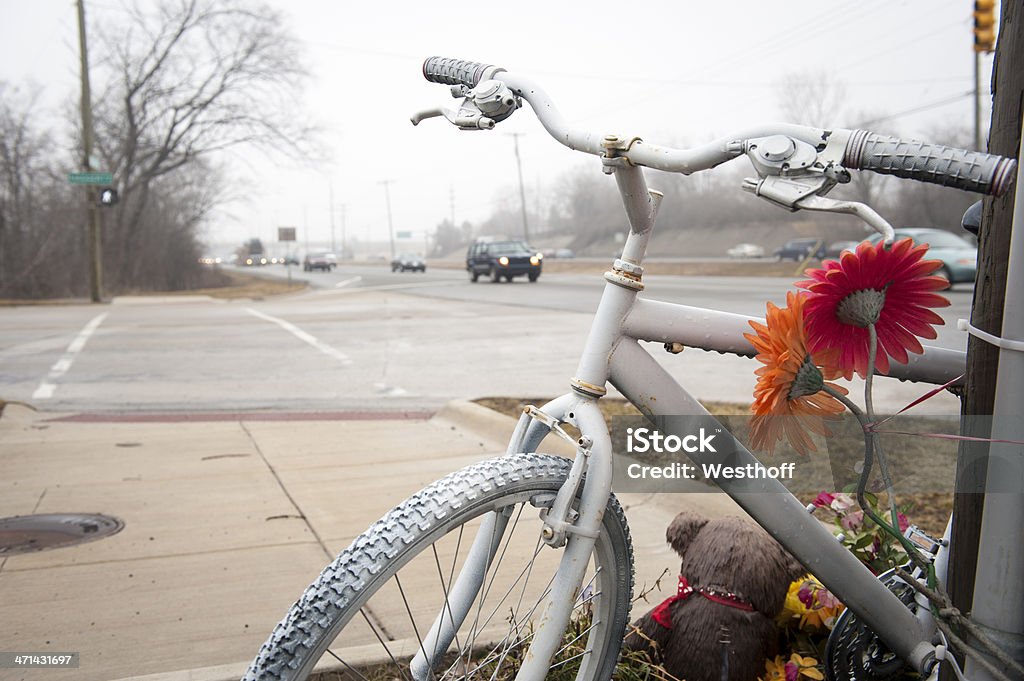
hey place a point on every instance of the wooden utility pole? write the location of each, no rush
(93, 209)
(522, 191)
(387, 200)
(987, 309)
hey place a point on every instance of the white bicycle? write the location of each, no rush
(522, 564)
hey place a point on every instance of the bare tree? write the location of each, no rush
(39, 245)
(186, 80)
(811, 98)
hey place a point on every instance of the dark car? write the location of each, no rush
(255, 259)
(959, 257)
(835, 249)
(408, 262)
(798, 249)
(508, 259)
(319, 261)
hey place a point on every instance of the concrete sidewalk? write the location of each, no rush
(227, 520)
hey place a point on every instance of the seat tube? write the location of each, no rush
(624, 280)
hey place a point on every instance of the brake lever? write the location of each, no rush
(481, 107)
(466, 118)
(793, 176)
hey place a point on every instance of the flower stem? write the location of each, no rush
(883, 463)
(869, 404)
(865, 475)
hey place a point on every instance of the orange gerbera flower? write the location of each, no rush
(788, 397)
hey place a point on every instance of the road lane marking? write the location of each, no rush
(346, 282)
(303, 336)
(61, 366)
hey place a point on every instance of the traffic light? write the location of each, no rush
(984, 25)
(108, 196)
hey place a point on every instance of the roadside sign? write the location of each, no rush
(91, 178)
(403, 235)
(286, 234)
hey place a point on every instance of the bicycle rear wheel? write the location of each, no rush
(370, 610)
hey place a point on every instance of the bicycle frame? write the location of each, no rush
(612, 354)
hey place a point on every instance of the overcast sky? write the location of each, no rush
(674, 72)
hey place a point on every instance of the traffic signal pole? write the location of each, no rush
(977, 102)
(984, 41)
(95, 264)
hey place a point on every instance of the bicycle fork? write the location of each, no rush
(579, 529)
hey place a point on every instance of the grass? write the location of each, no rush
(228, 285)
(632, 665)
(243, 285)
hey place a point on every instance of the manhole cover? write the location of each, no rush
(27, 533)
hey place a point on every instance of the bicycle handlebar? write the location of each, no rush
(450, 71)
(861, 150)
(948, 166)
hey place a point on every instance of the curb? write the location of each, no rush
(223, 672)
(485, 423)
(160, 300)
(18, 414)
(491, 425)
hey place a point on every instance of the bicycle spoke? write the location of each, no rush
(412, 619)
(509, 533)
(383, 644)
(569, 659)
(511, 589)
(347, 665)
(447, 603)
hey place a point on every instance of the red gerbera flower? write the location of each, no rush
(887, 286)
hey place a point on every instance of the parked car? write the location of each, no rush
(834, 249)
(746, 251)
(408, 262)
(959, 257)
(798, 249)
(508, 259)
(319, 261)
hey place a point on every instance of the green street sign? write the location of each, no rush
(91, 178)
(403, 235)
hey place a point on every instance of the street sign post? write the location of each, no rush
(287, 234)
(91, 178)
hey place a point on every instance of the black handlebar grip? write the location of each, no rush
(457, 71)
(970, 170)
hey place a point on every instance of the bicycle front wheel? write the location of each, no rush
(370, 610)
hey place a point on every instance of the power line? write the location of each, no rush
(918, 109)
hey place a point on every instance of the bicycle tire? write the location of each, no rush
(331, 606)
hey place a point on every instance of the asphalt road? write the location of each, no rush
(581, 293)
(362, 338)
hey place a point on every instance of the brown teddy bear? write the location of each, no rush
(721, 623)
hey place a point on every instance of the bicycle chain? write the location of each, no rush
(855, 653)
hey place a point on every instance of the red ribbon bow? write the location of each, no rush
(663, 613)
